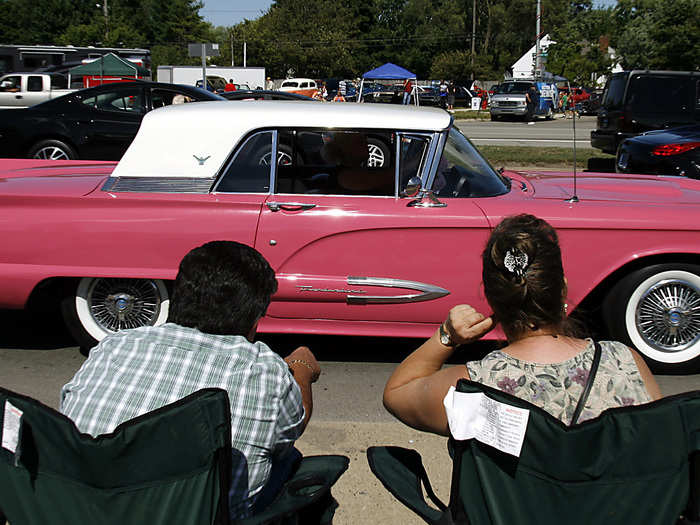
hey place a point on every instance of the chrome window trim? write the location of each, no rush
(157, 185)
(273, 165)
(397, 167)
(223, 172)
(441, 138)
(430, 137)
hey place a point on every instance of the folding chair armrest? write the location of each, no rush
(310, 483)
(401, 471)
(692, 513)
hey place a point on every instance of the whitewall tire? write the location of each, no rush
(658, 310)
(102, 306)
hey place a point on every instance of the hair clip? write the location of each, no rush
(515, 261)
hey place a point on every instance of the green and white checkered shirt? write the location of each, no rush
(135, 371)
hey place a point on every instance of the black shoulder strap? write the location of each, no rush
(589, 384)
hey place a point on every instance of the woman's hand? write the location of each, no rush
(465, 325)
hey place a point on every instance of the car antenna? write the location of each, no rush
(574, 197)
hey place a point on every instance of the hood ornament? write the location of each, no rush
(201, 160)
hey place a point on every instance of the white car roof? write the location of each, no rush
(172, 141)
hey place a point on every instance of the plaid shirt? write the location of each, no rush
(135, 371)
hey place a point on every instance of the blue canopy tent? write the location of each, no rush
(389, 71)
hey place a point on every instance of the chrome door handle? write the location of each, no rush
(289, 206)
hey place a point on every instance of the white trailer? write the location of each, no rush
(254, 77)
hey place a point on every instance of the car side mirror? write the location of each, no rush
(413, 187)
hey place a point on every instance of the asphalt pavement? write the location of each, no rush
(348, 413)
(559, 132)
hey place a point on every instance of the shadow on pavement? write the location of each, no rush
(46, 331)
(33, 331)
(361, 349)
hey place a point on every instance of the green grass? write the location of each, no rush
(481, 114)
(546, 157)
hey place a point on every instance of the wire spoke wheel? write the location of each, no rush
(375, 158)
(668, 315)
(283, 158)
(116, 304)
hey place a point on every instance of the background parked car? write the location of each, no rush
(301, 86)
(262, 94)
(673, 151)
(638, 101)
(97, 123)
(19, 90)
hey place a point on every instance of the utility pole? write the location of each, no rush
(473, 36)
(538, 51)
(105, 12)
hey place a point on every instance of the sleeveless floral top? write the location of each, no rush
(557, 387)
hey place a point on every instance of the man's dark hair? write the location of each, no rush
(222, 288)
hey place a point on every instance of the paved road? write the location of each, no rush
(37, 357)
(553, 133)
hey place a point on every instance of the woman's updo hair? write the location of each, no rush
(523, 276)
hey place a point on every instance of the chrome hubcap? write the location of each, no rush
(668, 315)
(283, 159)
(116, 304)
(51, 153)
(375, 158)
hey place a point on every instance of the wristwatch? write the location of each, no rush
(445, 338)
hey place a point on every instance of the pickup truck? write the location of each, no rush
(19, 90)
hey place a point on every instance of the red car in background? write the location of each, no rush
(580, 94)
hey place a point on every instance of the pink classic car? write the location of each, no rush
(359, 247)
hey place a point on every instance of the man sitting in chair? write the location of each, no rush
(222, 290)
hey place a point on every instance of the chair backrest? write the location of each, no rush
(630, 465)
(172, 465)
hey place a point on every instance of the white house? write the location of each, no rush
(525, 66)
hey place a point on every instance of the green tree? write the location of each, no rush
(658, 34)
(577, 54)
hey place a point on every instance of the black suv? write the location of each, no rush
(639, 101)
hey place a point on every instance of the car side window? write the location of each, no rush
(659, 94)
(249, 169)
(123, 101)
(413, 153)
(165, 97)
(11, 84)
(335, 162)
(304, 85)
(35, 83)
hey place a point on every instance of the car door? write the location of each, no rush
(346, 247)
(11, 95)
(36, 90)
(109, 122)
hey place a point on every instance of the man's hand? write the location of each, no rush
(303, 360)
(465, 325)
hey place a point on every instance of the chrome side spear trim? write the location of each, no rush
(427, 291)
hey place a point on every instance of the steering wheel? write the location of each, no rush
(463, 181)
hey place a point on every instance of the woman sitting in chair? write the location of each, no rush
(543, 362)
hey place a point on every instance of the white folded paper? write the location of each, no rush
(10, 427)
(474, 415)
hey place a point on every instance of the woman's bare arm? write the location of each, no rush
(415, 391)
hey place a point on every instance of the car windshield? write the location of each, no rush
(463, 172)
(513, 87)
